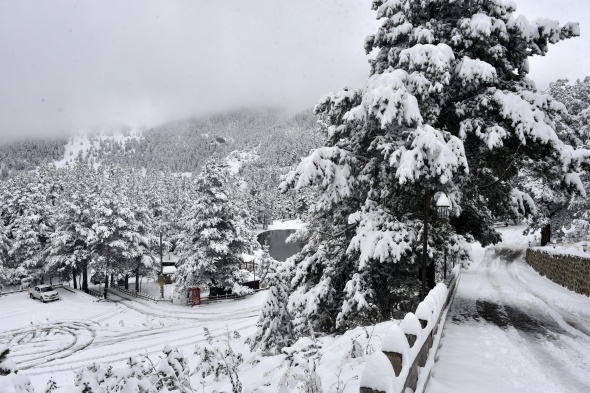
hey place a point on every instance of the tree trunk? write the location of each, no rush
(85, 276)
(106, 277)
(126, 281)
(137, 278)
(545, 234)
(74, 271)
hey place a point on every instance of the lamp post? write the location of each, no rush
(443, 206)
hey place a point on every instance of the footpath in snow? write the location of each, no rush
(512, 330)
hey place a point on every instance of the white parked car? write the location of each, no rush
(45, 293)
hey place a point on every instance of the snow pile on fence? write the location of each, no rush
(407, 346)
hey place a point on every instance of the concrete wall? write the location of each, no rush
(570, 271)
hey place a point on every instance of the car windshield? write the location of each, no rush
(46, 289)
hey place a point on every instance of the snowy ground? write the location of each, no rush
(512, 330)
(54, 339)
(81, 143)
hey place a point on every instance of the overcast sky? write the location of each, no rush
(76, 65)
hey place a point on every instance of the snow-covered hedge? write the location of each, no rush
(407, 347)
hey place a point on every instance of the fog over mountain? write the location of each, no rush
(69, 65)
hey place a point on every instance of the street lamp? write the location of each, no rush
(442, 206)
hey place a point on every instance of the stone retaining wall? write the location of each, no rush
(570, 271)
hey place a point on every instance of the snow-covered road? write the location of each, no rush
(512, 330)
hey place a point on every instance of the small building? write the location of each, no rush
(169, 261)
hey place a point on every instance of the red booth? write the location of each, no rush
(194, 295)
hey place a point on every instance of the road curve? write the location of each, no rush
(511, 330)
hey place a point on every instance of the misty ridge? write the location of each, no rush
(175, 146)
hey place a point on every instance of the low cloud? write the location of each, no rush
(73, 65)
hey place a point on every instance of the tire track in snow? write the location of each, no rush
(534, 320)
(70, 337)
(122, 355)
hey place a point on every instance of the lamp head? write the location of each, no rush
(443, 206)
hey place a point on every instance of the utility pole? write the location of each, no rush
(161, 278)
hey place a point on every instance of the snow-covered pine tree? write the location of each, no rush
(447, 107)
(26, 211)
(574, 128)
(274, 323)
(121, 224)
(215, 235)
(5, 269)
(70, 246)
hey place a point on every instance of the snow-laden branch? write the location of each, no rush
(518, 200)
(430, 156)
(387, 99)
(328, 168)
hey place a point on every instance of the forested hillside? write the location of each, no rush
(28, 154)
(109, 195)
(178, 146)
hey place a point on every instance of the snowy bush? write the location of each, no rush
(10, 381)
(141, 375)
(217, 358)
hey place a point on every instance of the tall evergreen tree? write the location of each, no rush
(70, 246)
(216, 234)
(27, 216)
(121, 224)
(574, 127)
(447, 107)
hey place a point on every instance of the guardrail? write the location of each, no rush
(2, 293)
(140, 295)
(406, 357)
(210, 299)
(94, 293)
